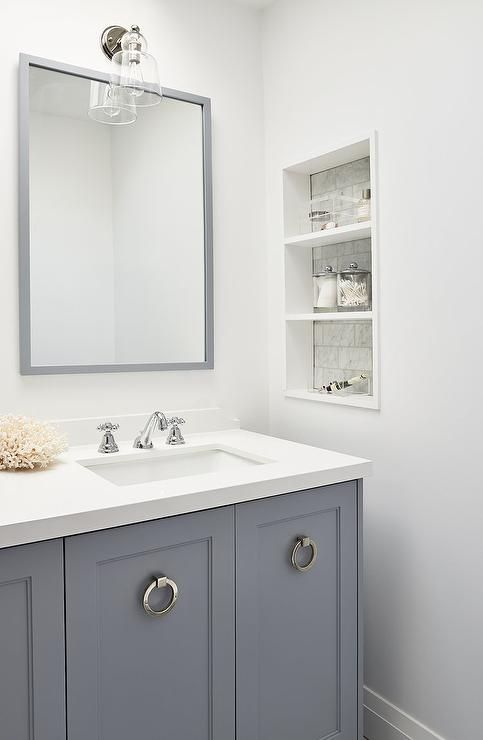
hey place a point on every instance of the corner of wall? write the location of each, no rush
(385, 721)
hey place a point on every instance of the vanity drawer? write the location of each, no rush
(131, 673)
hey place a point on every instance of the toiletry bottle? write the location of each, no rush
(364, 206)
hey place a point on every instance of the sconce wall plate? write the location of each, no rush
(111, 40)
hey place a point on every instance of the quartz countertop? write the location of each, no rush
(68, 498)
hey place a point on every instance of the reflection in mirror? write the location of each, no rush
(118, 250)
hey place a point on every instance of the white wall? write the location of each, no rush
(412, 71)
(211, 48)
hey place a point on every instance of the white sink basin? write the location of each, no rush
(160, 465)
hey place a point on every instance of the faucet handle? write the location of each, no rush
(108, 443)
(108, 426)
(174, 435)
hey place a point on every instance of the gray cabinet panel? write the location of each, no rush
(297, 663)
(32, 666)
(133, 675)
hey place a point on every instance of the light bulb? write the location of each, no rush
(134, 78)
(111, 107)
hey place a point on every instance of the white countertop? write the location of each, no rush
(68, 498)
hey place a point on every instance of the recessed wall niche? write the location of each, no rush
(331, 290)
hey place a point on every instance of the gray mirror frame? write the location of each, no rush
(26, 368)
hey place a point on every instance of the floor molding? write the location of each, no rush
(385, 721)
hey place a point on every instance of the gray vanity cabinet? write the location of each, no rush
(32, 665)
(297, 630)
(234, 623)
(131, 674)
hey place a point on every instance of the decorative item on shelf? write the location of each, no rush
(357, 384)
(325, 290)
(28, 443)
(354, 288)
(331, 210)
(319, 219)
(364, 206)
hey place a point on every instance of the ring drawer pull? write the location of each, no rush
(304, 542)
(160, 582)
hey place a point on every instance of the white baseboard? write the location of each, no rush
(384, 721)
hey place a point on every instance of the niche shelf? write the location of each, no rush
(339, 234)
(338, 344)
(338, 316)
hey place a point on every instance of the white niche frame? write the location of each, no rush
(299, 316)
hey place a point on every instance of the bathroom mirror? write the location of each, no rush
(115, 229)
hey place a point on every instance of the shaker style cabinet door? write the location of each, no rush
(297, 666)
(150, 630)
(32, 661)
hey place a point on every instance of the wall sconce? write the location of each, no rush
(134, 79)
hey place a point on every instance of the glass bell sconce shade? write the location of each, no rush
(111, 104)
(135, 71)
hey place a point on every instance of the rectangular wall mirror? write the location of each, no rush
(116, 267)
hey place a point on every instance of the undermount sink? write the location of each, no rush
(162, 465)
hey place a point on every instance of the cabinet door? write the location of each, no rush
(32, 664)
(297, 663)
(130, 674)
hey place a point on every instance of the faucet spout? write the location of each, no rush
(157, 420)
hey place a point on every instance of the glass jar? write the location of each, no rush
(325, 290)
(354, 288)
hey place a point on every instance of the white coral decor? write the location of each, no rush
(28, 443)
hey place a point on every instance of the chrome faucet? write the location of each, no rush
(157, 420)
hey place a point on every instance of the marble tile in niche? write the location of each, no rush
(317, 253)
(329, 252)
(360, 246)
(319, 334)
(344, 176)
(345, 192)
(322, 182)
(339, 334)
(353, 173)
(363, 334)
(355, 358)
(327, 357)
(361, 171)
(346, 249)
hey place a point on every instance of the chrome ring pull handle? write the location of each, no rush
(304, 542)
(160, 582)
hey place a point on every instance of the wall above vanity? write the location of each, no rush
(116, 266)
